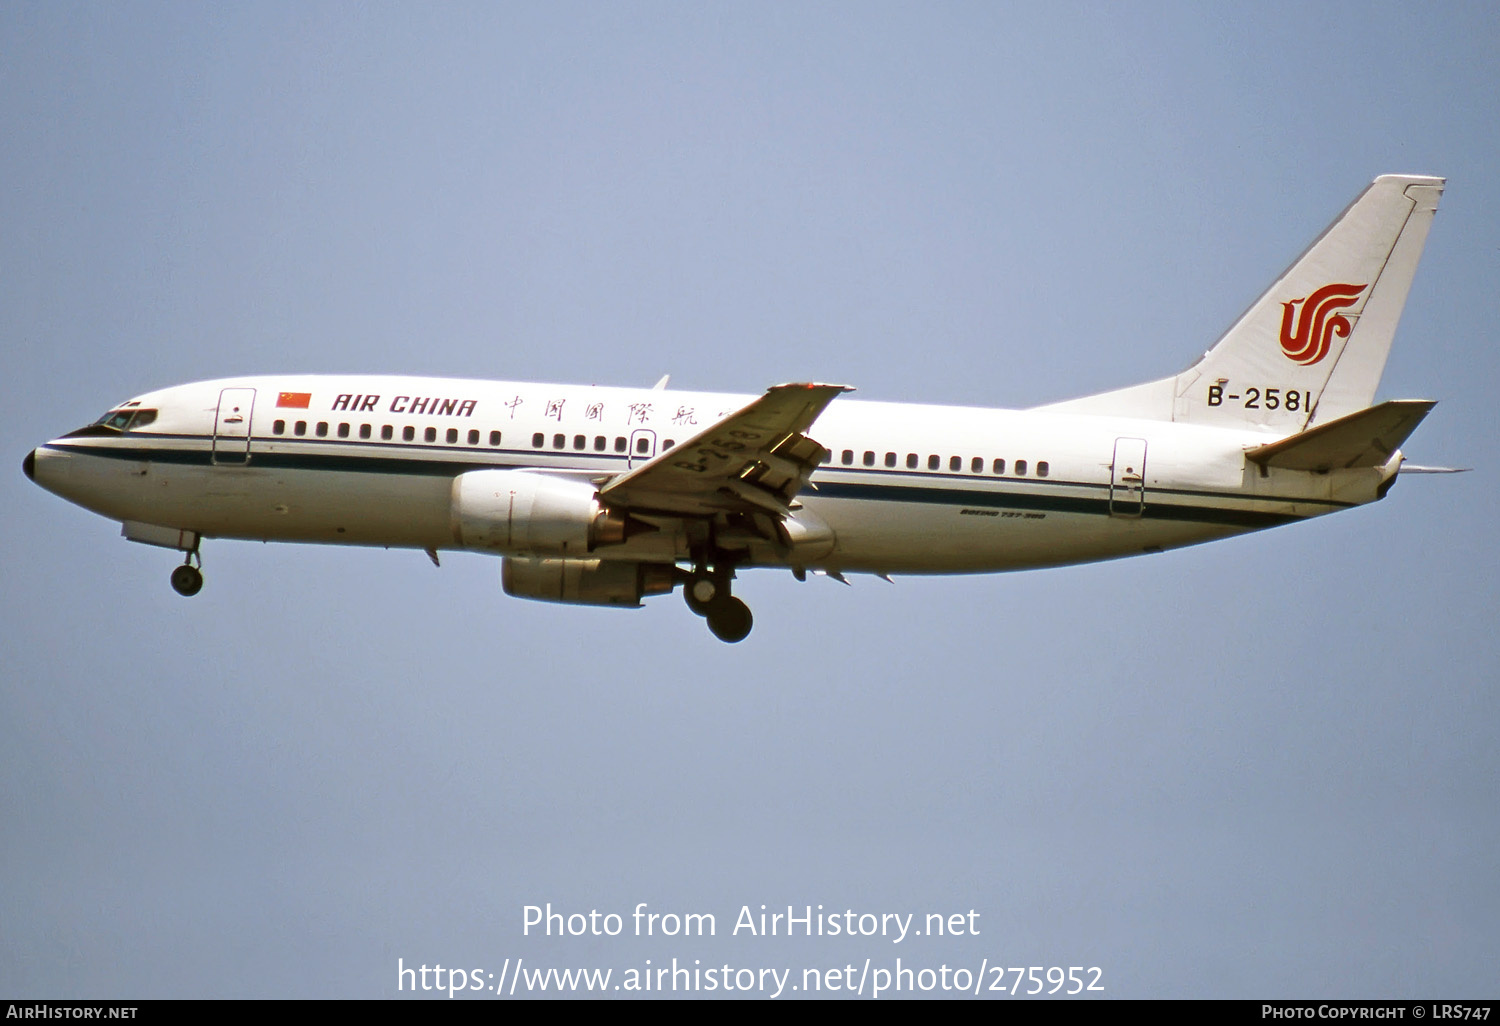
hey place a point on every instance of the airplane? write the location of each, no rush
(607, 496)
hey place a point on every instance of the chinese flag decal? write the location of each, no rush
(294, 400)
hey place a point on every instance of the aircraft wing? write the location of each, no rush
(753, 461)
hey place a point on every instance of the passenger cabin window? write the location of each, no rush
(580, 442)
(955, 463)
(869, 458)
(890, 459)
(494, 438)
(848, 457)
(934, 461)
(600, 443)
(668, 444)
(1042, 469)
(976, 466)
(322, 429)
(385, 432)
(452, 436)
(430, 435)
(911, 461)
(364, 431)
(278, 428)
(408, 433)
(1021, 468)
(343, 430)
(300, 428)
(642, 446)
(999, 466)
(559, 441)
(473, 437)
(537, 440)
(619, 443)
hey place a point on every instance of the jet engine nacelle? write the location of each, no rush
(521, 513)
(586, 581)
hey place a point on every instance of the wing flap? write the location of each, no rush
(1366, 438)
(753, 461)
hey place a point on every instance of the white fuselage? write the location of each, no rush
(907, 489)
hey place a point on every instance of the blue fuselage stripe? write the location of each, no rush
(1053, 497)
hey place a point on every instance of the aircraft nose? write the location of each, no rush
(29, 464)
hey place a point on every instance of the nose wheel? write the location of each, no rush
(187, 580)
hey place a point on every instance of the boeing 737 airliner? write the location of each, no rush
(608, 495)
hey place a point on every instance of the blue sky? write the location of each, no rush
(1261, 767)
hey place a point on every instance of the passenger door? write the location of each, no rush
(232, 426)
(1127, 478)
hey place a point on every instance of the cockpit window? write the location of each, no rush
(130, 419)
(116, 419)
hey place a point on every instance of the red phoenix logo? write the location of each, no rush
(1318, 322)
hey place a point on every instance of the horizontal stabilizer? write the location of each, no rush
(1412, 468)
(1366, 438)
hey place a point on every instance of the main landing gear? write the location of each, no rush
(707, 594)
(187, 579)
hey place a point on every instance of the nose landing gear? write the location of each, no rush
(187, 579)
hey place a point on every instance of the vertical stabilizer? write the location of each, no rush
(1313, 346)
(1322, 332)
